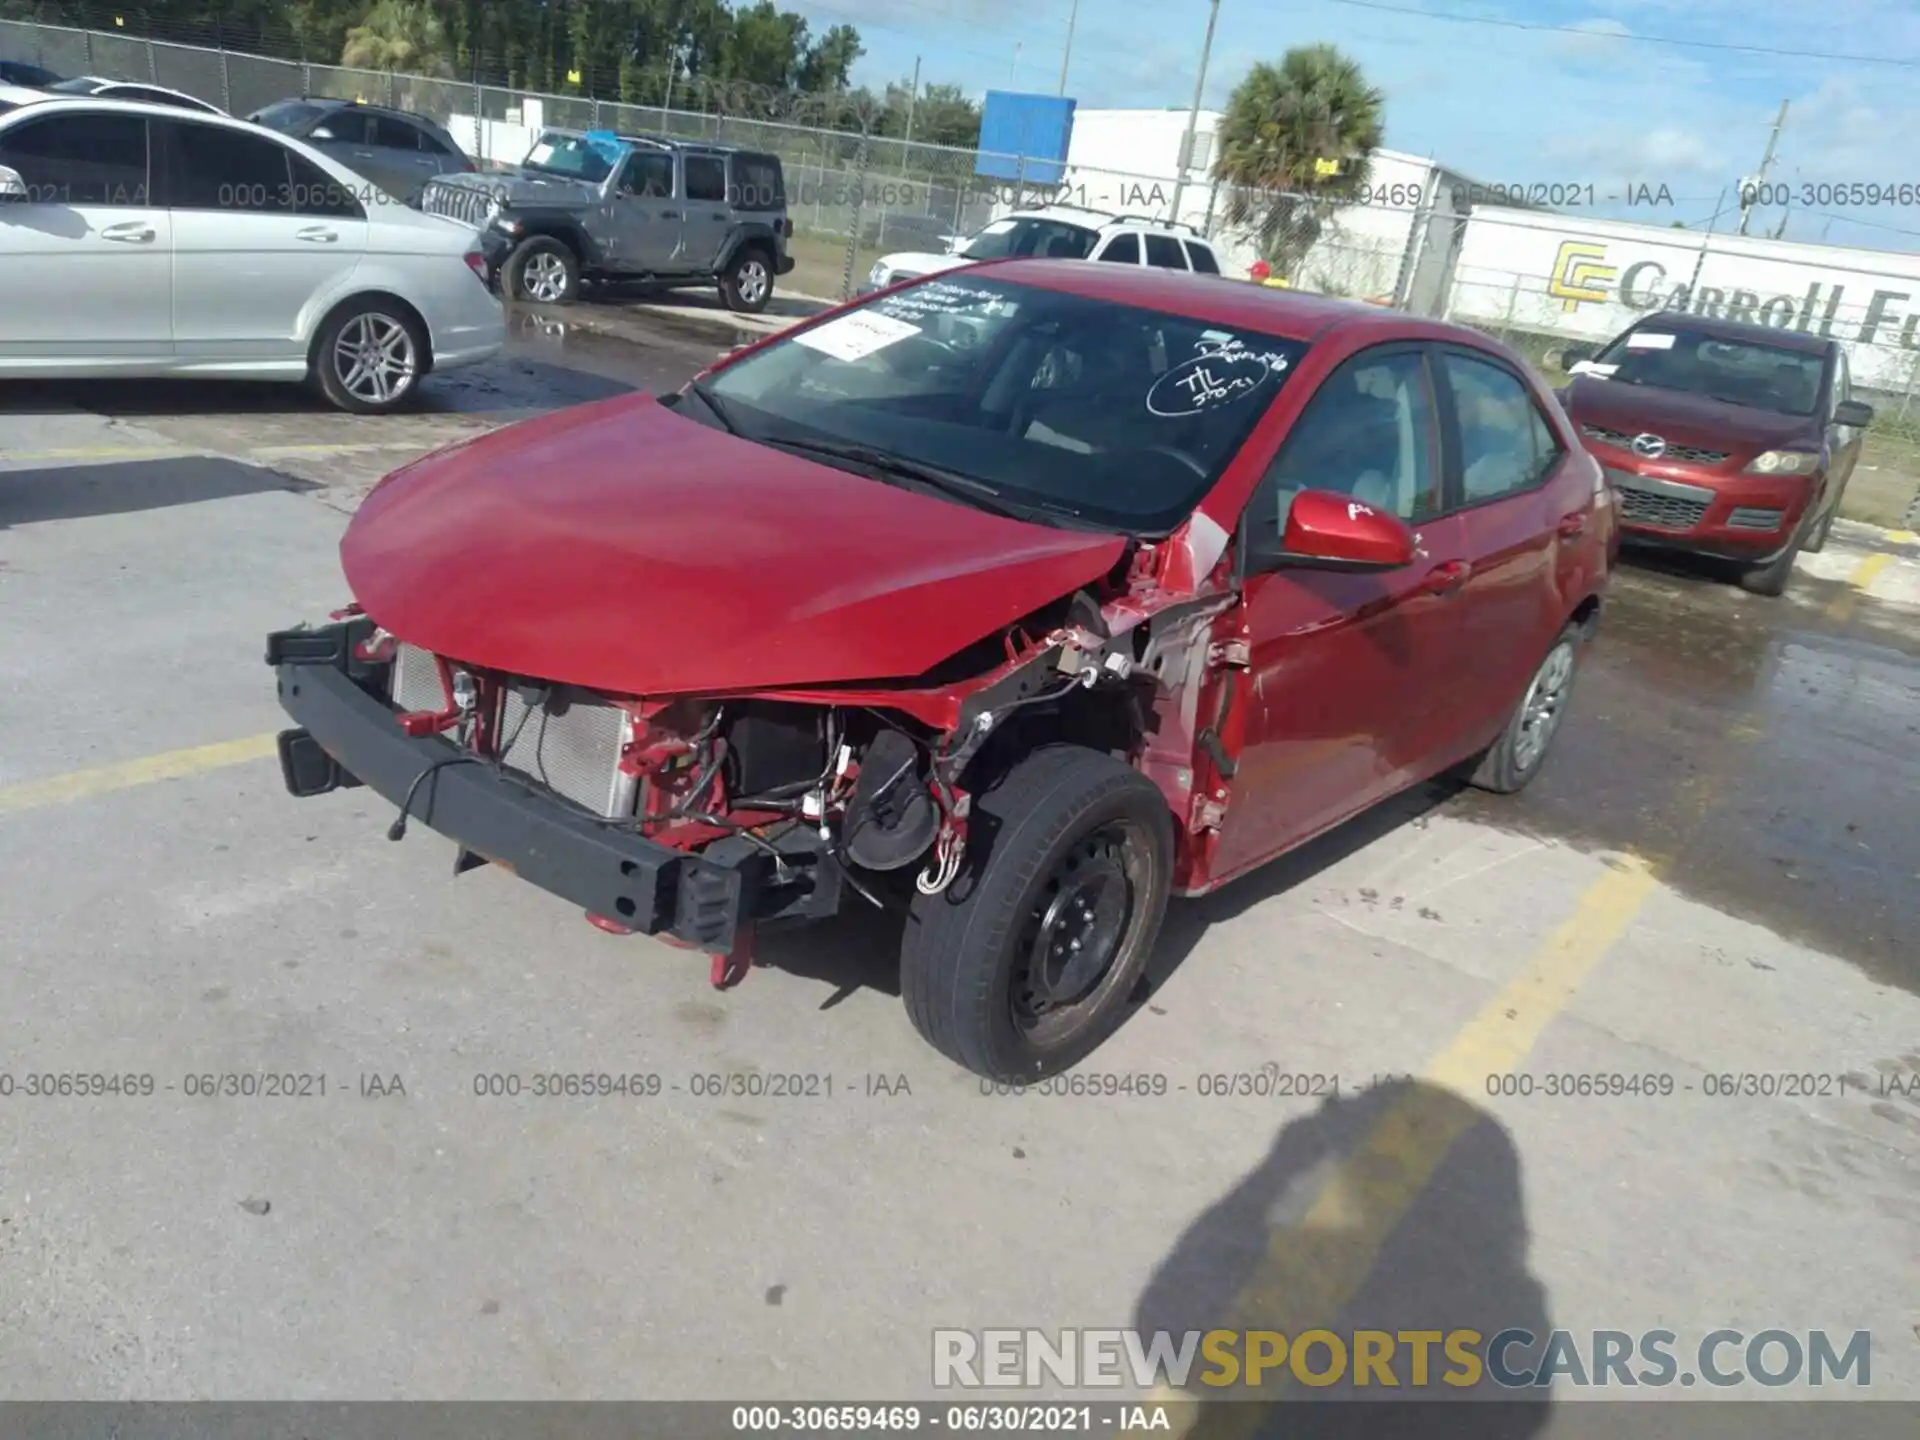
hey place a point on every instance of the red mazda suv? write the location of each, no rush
(1721, 438)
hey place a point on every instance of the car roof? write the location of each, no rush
(137, 85)
(48, 103)
(336, 103)
(1717, 329)
(1088, 218)
(1289, 314)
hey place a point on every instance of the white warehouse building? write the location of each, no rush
(1129, 161)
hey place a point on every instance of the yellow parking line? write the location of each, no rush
(1841, 607)
(1903, 537)
(106, 779)
(1314, 1266)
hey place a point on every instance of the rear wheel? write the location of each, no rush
(543, 270)
(1515, 758)
(747, 283)
(1029, 960)
(369, 357)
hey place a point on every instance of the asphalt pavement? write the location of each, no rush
(1715, 884)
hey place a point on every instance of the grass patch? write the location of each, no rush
(819, 265)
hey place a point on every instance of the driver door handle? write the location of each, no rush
(318, 234)
(132, 232)
(1445, 579)
(669, 214)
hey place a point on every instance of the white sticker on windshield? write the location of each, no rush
(1207, 382)
(1650, 340)
(1592, 367)
(942, 297)
(540, 154)
(855, 336)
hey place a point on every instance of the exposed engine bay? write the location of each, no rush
(856, 784)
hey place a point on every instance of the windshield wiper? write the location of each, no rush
(713, 403)
(886, 464)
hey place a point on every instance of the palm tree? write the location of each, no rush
(406, 36)
(1293, 145)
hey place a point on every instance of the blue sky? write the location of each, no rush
(1502, 104)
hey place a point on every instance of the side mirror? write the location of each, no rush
(12, 186)
(1855, 414)
(1326, 531)
(1571, 355)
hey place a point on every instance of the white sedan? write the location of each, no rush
(146, 241)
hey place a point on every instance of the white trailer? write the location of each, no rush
(1557, 275)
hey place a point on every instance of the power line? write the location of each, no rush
(1723, 45)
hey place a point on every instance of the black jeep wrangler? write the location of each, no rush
(593, 207)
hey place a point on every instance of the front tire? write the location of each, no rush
(747, 284)
(1030, 959)
(1817, 541)
(543, 270)
(1771, 579)
(1516, 757)
(369, 357)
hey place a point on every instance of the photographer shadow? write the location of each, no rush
(1395, 1209)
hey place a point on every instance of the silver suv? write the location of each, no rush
(592, 207)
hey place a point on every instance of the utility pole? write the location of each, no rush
(1766, 163)
(913, 97)
(1067, 54)
(1193, 115)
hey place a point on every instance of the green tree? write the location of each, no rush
(830, 59)
(405, 36)
(1293, 145)
(942, 115)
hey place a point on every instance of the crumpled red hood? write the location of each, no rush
(623, 547)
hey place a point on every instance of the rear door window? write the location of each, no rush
(1202, 258)
(213, 168)
(1506, 445)
(391, 133)
(1165, 251)
(706, 178)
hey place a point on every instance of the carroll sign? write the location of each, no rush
(1584, 274)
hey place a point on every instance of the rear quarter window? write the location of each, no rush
(1202, 258)
(756, 183)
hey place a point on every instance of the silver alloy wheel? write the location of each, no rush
(543, 277)
(753, 282)
(1546, 701)
(374, 359)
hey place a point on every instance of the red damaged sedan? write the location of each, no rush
(1020, 600)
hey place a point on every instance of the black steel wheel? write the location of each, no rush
(1030, 959)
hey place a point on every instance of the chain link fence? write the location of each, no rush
(853, 193)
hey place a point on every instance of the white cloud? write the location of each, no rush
(1599, 41)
